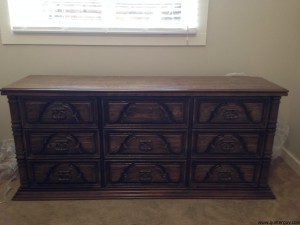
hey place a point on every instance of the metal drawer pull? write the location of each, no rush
(146, 145)
(64, 175)
(59, 114)
(61, 145)
(145, 176)
(225, 176)
(231, 114)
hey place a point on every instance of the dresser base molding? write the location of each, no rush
(122, 193)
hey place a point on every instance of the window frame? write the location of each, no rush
(109, 39)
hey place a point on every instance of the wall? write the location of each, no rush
(294, 141)
(258, 37)
(292, 151)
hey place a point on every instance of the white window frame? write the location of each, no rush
(198, 39)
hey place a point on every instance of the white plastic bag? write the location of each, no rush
(8, 162)
(282, 132)
(8, 165)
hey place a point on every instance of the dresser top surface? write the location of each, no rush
(142, 83)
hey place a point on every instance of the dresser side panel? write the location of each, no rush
(17, 129)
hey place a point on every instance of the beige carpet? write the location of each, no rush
(284, 182)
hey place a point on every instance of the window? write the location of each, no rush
(104, 16)
(104, 22)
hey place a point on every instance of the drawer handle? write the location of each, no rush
(59, 114)
(61, 145)
(144, 173)
(64, 175)
(225, 173)
(146, 145)
(231, 114)
(228, 143)
(227, 146)
(145, 176)
(135, 143)
(60, 111)
(225, 176)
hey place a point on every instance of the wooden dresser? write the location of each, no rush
(83, 137)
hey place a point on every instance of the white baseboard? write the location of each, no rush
(291, 160)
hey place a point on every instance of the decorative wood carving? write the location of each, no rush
(227, 143)
(60, 111)
(224, 173)
(64, 173)
(144, 145)
(62, 143)
(230, 112)
(153, 173)
(160, 143)
(153, 112)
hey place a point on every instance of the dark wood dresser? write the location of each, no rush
(83, 137)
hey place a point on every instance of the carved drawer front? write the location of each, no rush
(126, 143)
(63, 143)
(146, 111)
(214, 144)
(65, 174)
(231, 112)
(225, 173)
(145, 173)
(60, 111)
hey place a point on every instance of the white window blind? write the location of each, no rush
(104, 16)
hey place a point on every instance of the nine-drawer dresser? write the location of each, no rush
(84, 137)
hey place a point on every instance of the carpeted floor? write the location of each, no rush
(284, 182)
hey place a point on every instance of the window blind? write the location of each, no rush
(105, 16)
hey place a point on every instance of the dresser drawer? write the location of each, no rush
(132, 173)
(61, 174)
(231, 112)
(227, 143)
(68, 143)
(146, 111)
(145, 143)
(59, 111)
(225, 173)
